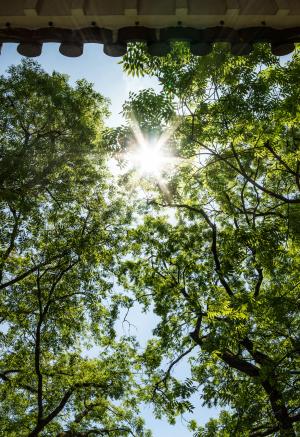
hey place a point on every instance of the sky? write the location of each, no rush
(108, 78)
(103, 71)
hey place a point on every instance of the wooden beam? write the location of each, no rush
(232, 7)
(283, 7)
(130, 7)
(31, 8)
(181, 8)
(77, 8)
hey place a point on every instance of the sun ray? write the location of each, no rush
(166, 134)
(149, 157)
(135, 127)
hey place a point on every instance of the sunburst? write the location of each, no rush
(150, 157)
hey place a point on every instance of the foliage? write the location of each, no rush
(61, 221)
(223, 277)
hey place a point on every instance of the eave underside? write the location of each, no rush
(114, 23)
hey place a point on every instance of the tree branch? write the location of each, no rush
(214, 249)
(30, 271)
(271, 430)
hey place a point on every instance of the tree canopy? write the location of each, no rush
(60, 222)
(210, 244)
(224, 276)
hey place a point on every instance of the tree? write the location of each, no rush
(224, 277)
(61, 221)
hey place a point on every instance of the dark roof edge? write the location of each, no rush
(158, 40)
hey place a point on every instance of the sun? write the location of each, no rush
(148, 159)
(150, 156)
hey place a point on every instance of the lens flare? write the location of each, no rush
(149, 159)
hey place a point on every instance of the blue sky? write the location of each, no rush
(107, 76)
(103, 71)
